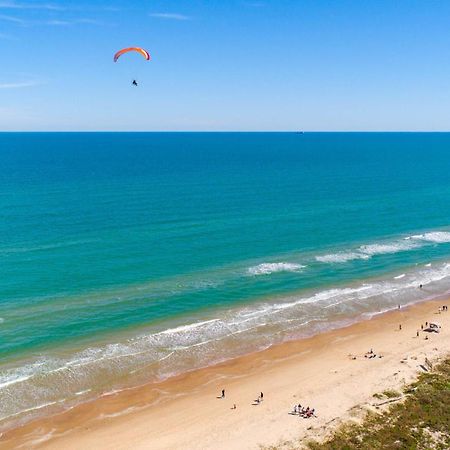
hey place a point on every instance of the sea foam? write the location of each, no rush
(385, 248)
(268, 268)
(367, 251)
(438, 237)
(341, 257)
(184, 346)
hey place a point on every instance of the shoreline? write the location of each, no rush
(316, 371)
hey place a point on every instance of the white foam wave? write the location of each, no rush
(394, 247)
(341, 257)
(83, 392)
(268, 268)
(2, 319)
(34, 408)
(189, 327)
(191, 345)
(438, 237)
(400, 245)
(13, 380)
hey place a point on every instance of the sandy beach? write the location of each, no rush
(328, 372)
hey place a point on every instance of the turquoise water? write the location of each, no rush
(127, 257)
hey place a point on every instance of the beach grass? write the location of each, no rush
(420, 421)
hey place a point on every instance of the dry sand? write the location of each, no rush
(185, 413)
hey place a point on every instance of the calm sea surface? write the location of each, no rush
(129, 257)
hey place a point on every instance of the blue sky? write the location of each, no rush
(225, 65)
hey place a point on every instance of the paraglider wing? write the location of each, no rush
(140, 50)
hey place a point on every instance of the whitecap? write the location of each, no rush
(85, 391)
(268, 268)
(341, 257)
(189, 327)
(399, 277)
(394, 247)
(438, 237)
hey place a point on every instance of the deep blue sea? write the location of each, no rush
(130, 257)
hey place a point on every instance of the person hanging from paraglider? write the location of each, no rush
(140, 50)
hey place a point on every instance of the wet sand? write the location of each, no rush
(328, 372)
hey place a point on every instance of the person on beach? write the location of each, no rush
(400, 327)
(223, 393)
(261, 396)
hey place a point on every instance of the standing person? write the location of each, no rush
(261, 396)
(223, 393)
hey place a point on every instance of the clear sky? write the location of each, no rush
(225, 65)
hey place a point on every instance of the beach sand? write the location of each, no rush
(185, 413)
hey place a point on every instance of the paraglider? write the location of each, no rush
(140, 50)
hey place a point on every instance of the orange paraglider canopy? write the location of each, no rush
(140, 50)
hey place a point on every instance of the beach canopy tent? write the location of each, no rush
(433, 327)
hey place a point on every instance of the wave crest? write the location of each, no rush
(438, 237)
(268, 268)
(367, 251)
(341, 257)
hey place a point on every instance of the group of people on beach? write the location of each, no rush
(370, 354)
(306, 413)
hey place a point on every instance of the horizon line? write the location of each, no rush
(225, 131)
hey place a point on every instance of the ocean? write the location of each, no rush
(126, 258)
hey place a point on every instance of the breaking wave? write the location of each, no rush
(268, 268)
(341, 257)
(367, 251)
(177, 347)
(438, 237)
